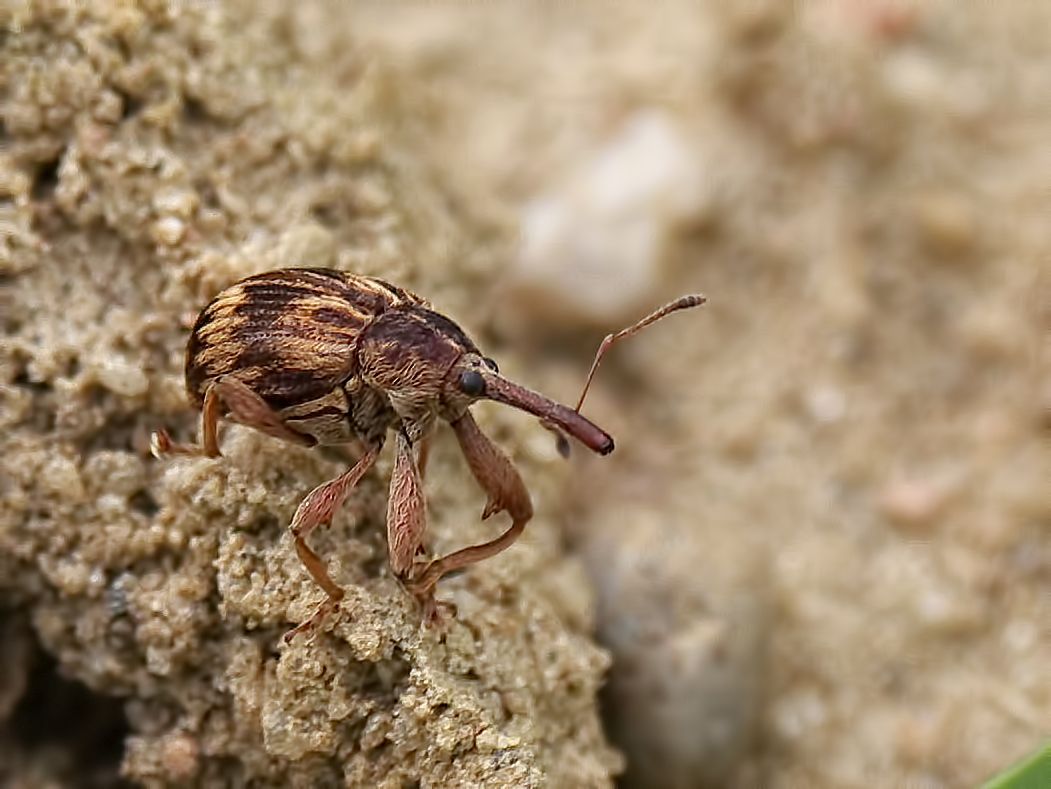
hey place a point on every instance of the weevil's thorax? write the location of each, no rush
(409, 353)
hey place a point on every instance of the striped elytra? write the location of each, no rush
(291, 335)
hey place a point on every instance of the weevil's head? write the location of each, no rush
(425, 362)
(476, 378)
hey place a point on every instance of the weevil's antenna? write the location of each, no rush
(681, 303)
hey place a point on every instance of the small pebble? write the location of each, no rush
(913, 504)
(121, 378)
(914, 78)
(180, 203)
(798, 714)
(948, 613)
(826, 404)
(992, 332)
(918, 739)
(61, 476)
(168, 230)
(1020, 636)
(180, 756)
(946, 223)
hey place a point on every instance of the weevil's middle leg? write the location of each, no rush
(243, 405)
(407, 522)
(406, 511)
(498, 477)
(319, 507)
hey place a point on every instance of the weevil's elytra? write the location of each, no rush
(291, 335)
(321, 357)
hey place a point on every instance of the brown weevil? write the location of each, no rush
(321, 357)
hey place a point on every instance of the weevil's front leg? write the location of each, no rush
(506, 491)
(243, 406)
(319, 507)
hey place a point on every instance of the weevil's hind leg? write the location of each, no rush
(243, 406)
(506, 491)
(319, 507)
(247, 408)
(161, 443)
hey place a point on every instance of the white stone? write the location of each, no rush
(594, 246)
(168, 230)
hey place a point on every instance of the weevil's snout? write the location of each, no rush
(485, 381)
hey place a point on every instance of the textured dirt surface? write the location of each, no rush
(150, 158)
(820, 556)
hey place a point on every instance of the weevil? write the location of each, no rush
(324, 357)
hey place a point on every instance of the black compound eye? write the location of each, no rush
(471, 383)
(491, 364)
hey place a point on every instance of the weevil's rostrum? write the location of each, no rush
(318, 356)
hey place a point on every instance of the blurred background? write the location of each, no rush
(822, 549)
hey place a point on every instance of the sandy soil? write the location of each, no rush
(152, 158)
